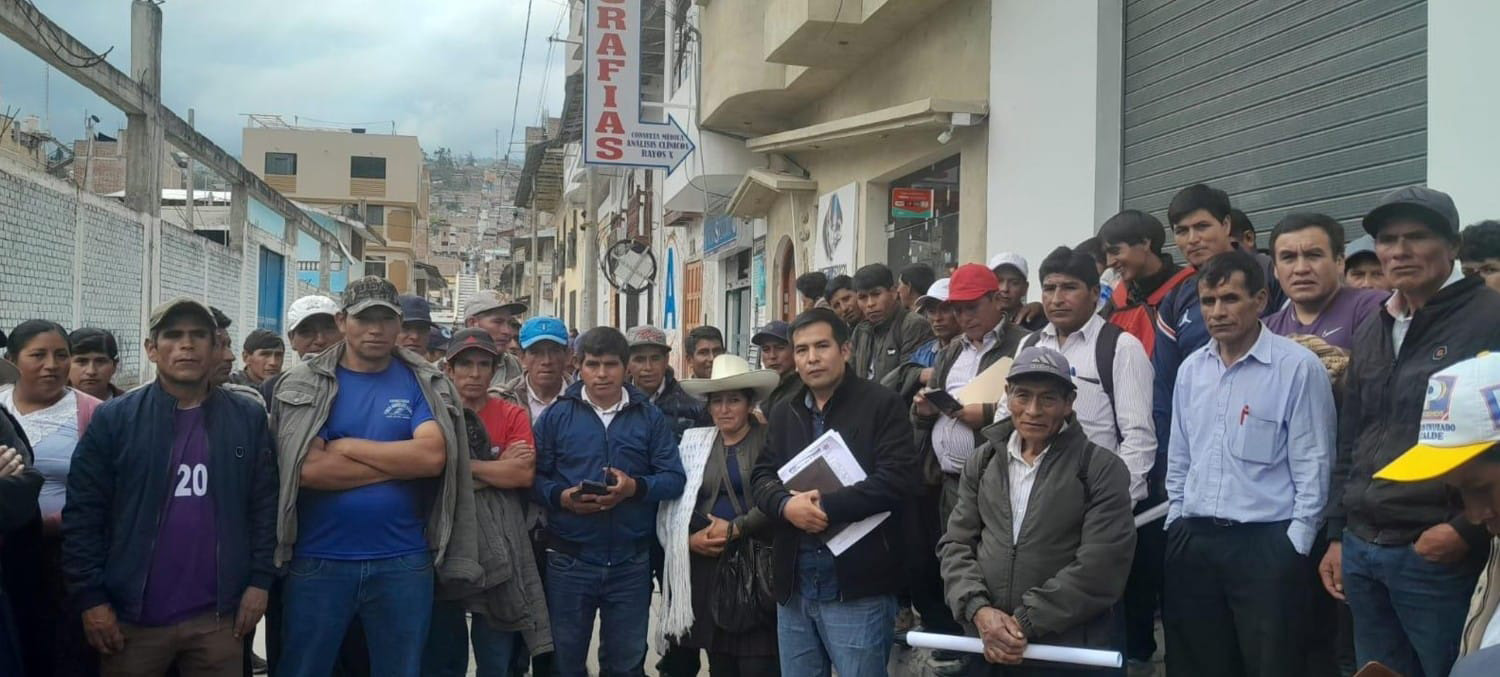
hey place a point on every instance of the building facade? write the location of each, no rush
(377, 180)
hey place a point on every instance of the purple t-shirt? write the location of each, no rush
(183, 581)
(1337, 322)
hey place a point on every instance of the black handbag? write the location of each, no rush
(742, 599)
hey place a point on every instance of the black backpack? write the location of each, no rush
(1104, 356)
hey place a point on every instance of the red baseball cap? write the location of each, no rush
(971, 282)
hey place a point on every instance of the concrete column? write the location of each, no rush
(1054, 142)
(143, 137)
(325, 267)
(1463, 91)
(239, 213)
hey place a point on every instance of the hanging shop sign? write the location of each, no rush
(613, 132)
(911, 203)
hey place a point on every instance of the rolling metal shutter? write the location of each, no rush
(1287, 106)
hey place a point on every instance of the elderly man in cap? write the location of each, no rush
(1406, 559)
(649, 371)
(1460, 430)
(377, 502)
(487, 311)
(1060, 579)
(170, 522)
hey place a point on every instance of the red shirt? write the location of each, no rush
(506, 423)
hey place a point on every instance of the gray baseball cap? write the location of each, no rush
(368, 292)
(645, 335)
(1432, 207)
(1042, 361)
(485, 300)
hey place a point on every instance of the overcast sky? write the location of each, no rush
(444, 70)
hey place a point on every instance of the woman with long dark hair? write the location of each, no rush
(53, 417)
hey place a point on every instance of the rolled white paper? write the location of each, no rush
(1038, 652)
(1152, 514)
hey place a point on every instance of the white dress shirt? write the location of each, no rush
(1396, 306)
(1126, 428)
(607, 414)
(535, 403)
(1022, 478)
(952, 441)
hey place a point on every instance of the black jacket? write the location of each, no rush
(119, 483)
(872, 420)
(1384, 395)
(682, 410)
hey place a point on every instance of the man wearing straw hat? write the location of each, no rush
(1041, 538)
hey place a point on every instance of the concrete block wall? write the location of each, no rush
(80, 260)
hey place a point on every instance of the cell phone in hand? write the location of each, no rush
(593, 488)
(943, 401)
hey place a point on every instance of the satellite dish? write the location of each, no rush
(630, 266)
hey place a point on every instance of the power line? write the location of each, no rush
(520, 73)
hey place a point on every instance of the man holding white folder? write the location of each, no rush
(836, 611)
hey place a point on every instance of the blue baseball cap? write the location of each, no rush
(543, 328)
(415, 309)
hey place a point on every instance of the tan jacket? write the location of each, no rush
(1484, 603)
(300, 409)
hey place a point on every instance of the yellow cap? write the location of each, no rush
(1425, 462)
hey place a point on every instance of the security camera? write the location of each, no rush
(946, 136)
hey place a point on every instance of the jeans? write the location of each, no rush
(447, 653)
(391, 597)
(1408, 612)
(854, 637)
(620, 595)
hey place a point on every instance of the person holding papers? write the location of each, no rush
(832, 609)
(1041, 538)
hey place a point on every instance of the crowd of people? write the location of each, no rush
(1286, 458)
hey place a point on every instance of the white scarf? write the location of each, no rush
(673, 610)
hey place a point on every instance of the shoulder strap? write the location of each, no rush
(1104, 358)
(1031, 339)
(1083, 470)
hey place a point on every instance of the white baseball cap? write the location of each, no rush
(1010, 259)
(306, 307)
(937, 292)
(1460, 420)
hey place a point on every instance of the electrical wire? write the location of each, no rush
(57, 45)
(520, 75)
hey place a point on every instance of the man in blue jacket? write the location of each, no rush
(170, 524)
(604, 459)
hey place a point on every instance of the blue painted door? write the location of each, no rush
(272, 295)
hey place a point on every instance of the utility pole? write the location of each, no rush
(536, 273)
(590, 272)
